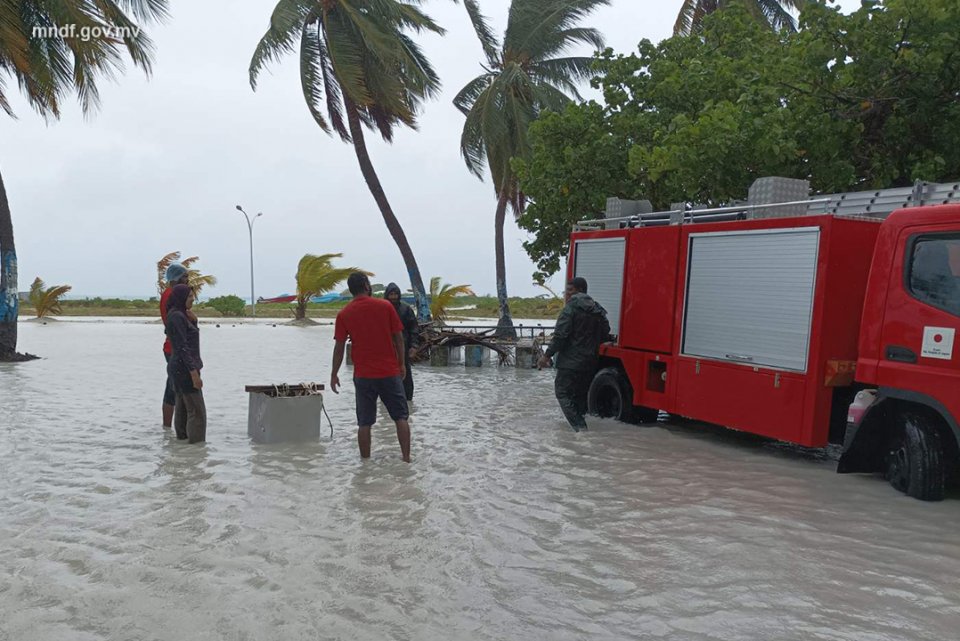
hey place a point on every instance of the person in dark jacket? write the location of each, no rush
(581, 328)
(176, 274)
(411, 332)
(190, 420)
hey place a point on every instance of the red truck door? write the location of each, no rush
(920, 348)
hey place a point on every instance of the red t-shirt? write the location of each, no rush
(370, 323)
(167, 347)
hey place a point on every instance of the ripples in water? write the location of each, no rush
(506, 526)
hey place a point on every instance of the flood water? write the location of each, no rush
(507, 525)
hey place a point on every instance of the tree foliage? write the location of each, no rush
(859, 101)
(46, 300)
(526, 73)
(775, 13)
(442, 295)
(359, 68)
(317, 275)
(195, 278)
(50, 67)
(230, 305)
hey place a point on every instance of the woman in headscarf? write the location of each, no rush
(185, 365)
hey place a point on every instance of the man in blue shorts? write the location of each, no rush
(374, 329)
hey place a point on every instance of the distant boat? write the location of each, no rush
(325, 298)
(290, 298)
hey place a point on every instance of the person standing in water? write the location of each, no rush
(176, 274)
(581, 328)
(374, 328)
(411, 332)
(185, 364)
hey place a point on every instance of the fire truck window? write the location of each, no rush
(934, 276)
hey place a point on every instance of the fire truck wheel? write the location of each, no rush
(611, 396)
(914, 461)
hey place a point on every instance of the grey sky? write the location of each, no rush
(160, 167)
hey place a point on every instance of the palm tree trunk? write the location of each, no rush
(393, 225)
(9, 298)
(505, 324)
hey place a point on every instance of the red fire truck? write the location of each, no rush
(812, 321)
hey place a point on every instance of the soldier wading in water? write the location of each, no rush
(581, 328)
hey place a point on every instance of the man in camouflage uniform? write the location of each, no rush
(581, 327)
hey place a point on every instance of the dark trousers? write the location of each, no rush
(571, 387)
(169, 395)
(408, 382)
(190, 418)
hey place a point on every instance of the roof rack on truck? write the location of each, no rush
(776, 197)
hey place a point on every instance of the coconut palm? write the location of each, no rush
(48, 68)
(46, 300)
(316, 275)
(524, 74)
(776, 13)
(359, 64)
(195, 278)
(442, 295)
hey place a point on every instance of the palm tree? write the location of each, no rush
(195, 278)
(359, 64)
(316, 275)
(524, 74)
(46, 300)
(48, 68)
(775, 13)
(442, 295)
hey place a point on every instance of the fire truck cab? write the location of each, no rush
(810, 321)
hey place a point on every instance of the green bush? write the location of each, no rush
(227, 305)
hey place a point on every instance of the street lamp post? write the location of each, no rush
(250, 221)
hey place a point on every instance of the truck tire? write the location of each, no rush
(915, 460)
(611, 396)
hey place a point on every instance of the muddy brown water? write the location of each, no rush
(506, 526)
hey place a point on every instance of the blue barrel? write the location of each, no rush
(473, 355)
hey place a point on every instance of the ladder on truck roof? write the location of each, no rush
(775, 197)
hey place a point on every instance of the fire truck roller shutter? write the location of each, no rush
(750, 296)
(600, 261)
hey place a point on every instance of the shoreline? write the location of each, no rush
(468, 308)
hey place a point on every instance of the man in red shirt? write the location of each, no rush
(374, 328)
(176, 274)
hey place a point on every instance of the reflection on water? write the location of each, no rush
(506, 525)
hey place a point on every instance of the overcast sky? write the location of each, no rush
(97, 201)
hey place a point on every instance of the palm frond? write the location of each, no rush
(286, 24)
(775, 13)
(48, 69)
(442, 295)
(311, 69)
(317, 275)
(489, 41)
(198, 281)
(162, 265)
(354, 54)
(46, 300)
(539, 28)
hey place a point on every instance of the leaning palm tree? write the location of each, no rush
(316, 275)
(776, 13)
(442, 295)
(526, 73)
(48, 68)
(195, 278)
(359, 64)
(46, 300)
